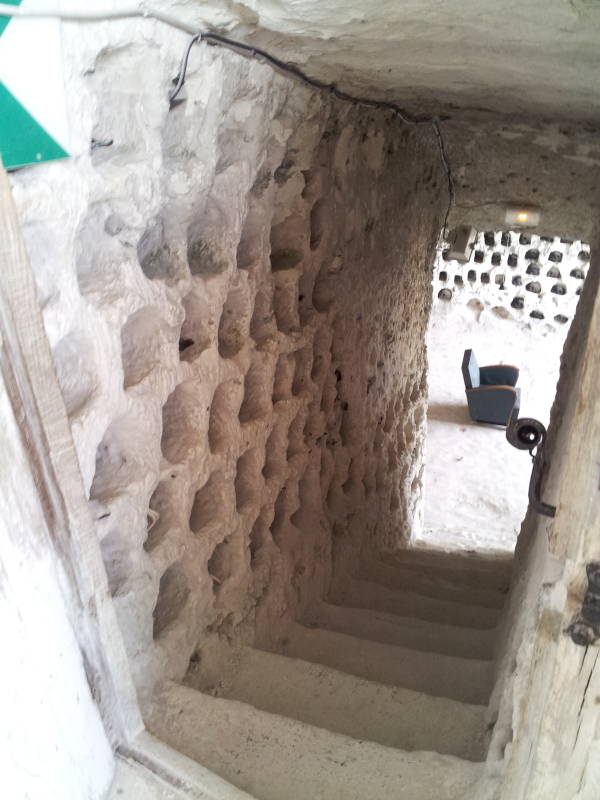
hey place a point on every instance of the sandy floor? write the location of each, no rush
(475, 482)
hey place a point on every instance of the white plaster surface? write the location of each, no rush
(476, 484)
(52, 741)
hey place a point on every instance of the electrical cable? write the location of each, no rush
(148, 12)
(289, 69)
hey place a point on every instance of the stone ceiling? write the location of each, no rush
(537, 60)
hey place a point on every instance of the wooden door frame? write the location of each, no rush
(555, 752)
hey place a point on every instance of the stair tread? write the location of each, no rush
(434, 581)
(411, 632)
(473, 568)
(466, 680)
(376, 597)
(274, 757)
(346, 704)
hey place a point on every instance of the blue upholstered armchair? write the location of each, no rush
(491, 393)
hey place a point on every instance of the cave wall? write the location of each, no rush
(236, 293)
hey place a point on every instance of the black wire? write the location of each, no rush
(296, 72)
(446, 163)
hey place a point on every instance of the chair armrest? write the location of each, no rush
(498, 375)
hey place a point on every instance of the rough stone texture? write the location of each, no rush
(236, 293)
(477, 56)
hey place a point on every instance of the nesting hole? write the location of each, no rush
(221, 563)
(173, 592)
(296, 435)
(317, 223)
(204, 256)
(161, 504)
(120, 458)
(248, 479)
(324, 290)
(304, 361)
(185, 421)
(258, 391)
(141, 339)
(259, 535)
(211, 503)
(223, 417)
(262, 324)
(156, 260)
(235, 320)
(285, 259)
(275, 453)
(284, 375)
(285, 304)
(195, 336)
(74, 359)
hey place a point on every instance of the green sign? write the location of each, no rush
(32, 113)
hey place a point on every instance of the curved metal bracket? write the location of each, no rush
(529, 434)
(584, 630)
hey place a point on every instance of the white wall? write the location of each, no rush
(52, 741)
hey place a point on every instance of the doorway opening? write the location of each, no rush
(512, 303)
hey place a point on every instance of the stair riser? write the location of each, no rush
(403, 631)
(442, 585)
(373, 596)
(276, 758)
(465, 680)
(348, 705)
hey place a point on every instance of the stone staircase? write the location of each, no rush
(379, 693)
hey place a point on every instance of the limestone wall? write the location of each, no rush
(236, 294)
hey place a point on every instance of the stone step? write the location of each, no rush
(276, 758)
(466, 680)
(343, 703)
(432, 581)
(416, 634)
(475, 571)
(374, 596)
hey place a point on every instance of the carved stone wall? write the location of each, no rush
(236, 292)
